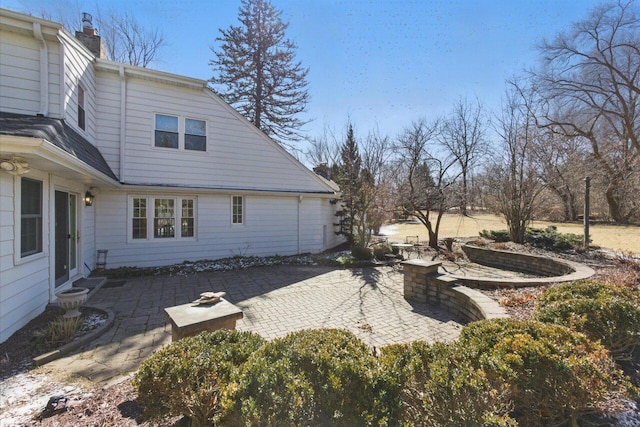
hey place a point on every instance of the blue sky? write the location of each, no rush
(380, 63)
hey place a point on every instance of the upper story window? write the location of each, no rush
(180, 133)
(30, 217)
(237, 210)
(195, 135)
(166, 131)
(81, 113)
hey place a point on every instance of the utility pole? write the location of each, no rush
(587, 185)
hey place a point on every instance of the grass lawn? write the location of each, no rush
(624, 238)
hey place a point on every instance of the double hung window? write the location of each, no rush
(180, 133)
(155, 218)
(237, 210)
(30, 217)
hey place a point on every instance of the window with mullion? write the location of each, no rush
(30, 217)
(195, 135)
(187, 219)
(139, 224)
(166, 131)
(164, 218)
(237, 211)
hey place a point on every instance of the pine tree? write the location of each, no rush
(257, 72)
(349, 180)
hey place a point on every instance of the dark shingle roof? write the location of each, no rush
(59, 134)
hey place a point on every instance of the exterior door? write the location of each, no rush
(73, 233)
(62, 237)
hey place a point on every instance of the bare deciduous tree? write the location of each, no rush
(425, 177)
(127, 41)
(512, 178)
(463, 134)
(562, 163)
(124, 38)
(589, 82)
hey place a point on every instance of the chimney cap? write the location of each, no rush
(87, 20)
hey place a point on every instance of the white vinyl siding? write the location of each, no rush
(20, 74)
(24, 282)
(271, 228)
(237, 155)
(79, 71)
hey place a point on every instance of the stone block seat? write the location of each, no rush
(191, 319)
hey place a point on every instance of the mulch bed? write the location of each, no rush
(17, 352)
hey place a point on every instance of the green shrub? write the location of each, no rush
(499, 236)
(550, 238)
(437, 385)
(554, 374)
(312, 377)
(380, 250)
(190, 377)
(361, 253)
(603, 312)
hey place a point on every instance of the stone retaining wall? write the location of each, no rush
(552, 270)
(423, 283)
(514, 261)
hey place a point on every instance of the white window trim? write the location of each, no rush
(151, 215)
(244, 211)
(17, 217)
(181, 133)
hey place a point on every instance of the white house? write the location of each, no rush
(170, 171)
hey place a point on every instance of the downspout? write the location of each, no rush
(123, 120)
(299, 220)
(63, 90)
(44, 70)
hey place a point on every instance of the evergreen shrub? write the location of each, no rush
(554, 374)
(190, 377)
(439, 386)
(604, 312)
(361, 253)
(309, 377)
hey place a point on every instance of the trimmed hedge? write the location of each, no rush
(438, 385)
(554, 374)
(190, 377)
(608, 313)
(311, 377)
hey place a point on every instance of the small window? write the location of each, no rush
(30, 217)
(139, 225)
(164, 218)
(166, 131)
(187, 218)
(195, 135)
(81, 113)
(237, 214)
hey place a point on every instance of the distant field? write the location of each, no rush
(617, 237)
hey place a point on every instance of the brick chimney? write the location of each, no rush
(89, 36)
(323, 170)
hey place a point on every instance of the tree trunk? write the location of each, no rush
(614, 203)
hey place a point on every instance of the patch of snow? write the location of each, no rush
(388, 230)
(25, 395)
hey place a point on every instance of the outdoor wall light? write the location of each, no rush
(88, 198)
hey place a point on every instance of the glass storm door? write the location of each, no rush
(62, 237)
(73, 233)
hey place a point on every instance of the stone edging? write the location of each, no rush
(423, 283)
(554, 270)
(77, 343)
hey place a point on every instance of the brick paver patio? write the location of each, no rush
(275, 301)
